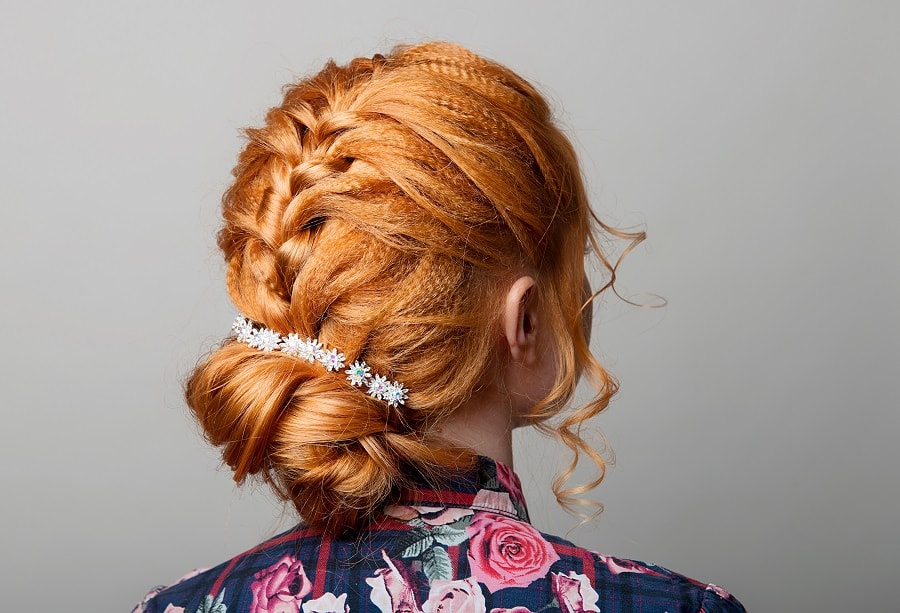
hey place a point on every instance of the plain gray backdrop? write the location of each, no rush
(756, 429)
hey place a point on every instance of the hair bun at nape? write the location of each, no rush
(336, 451)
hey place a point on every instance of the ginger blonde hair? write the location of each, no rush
(384, 207)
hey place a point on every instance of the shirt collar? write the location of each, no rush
(490, 486)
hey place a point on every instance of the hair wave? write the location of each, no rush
(383, 207)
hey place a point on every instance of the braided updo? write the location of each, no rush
(383, 208)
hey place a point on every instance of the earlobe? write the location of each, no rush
(519, 321)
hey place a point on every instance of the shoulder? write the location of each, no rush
(240, 583)
(494, 563)
(590, 581)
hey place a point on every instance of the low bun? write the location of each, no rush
(340, 486)
(337, 454)
(238, 394)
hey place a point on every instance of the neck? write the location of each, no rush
(484, 425)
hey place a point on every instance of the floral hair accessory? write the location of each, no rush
(310, 349)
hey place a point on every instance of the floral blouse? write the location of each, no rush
(466, 549)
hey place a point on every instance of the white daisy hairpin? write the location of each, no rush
(310, 349)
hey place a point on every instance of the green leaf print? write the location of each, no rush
(493, 484)
(213, 606)
(462, 523)
(450, 534)
(521, 511)
(436, 564)
(416, 522)
(415, 542)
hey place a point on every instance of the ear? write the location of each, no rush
(520, 321)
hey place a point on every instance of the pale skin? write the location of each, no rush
(485, 423)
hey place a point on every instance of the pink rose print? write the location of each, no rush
(461, 596)
(391, 592)
(509, 481)
(574, 593)
(513, 610)
(173, 609)
(618, 566)
(280, 588)
(505, 552)
(327, 603)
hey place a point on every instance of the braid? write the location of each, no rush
(380, 208)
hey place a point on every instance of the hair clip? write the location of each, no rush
(310, 349)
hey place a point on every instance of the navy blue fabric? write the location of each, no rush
(465, 548)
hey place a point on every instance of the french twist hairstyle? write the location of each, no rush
(384, 207)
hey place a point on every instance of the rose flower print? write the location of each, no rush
(280, 587)
(460, 596)
(505, 552)
(391, 592)
(575, 593)
(327, 603)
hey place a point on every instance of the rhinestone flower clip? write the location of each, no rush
(310, 349)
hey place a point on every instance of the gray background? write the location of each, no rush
(757, 423)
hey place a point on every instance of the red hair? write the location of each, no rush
(384, 207)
